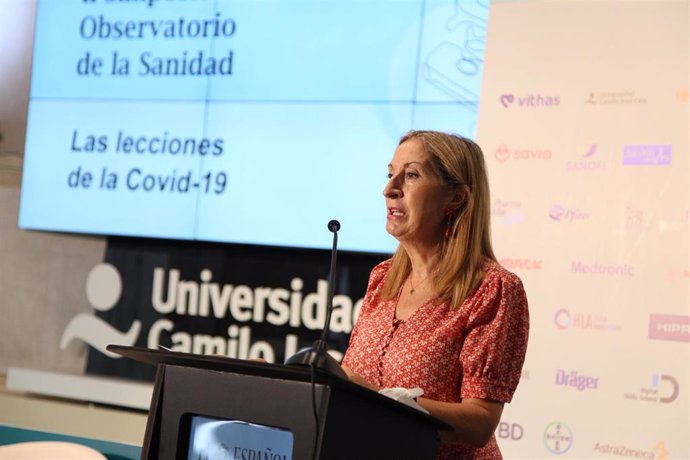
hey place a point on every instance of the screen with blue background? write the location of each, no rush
(245, 122)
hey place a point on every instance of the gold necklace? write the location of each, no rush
(412, 288)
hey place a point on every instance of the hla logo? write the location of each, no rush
(558, 438)
(504, 153)
(530, 100)
(664, 388)
(564, 319)
(103, 291)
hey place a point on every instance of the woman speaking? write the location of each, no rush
(442, 315)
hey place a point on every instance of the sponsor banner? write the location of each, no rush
(669, 327)
(237, 301)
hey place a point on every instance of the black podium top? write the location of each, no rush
(257, 368)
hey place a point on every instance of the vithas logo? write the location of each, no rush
(529, 100)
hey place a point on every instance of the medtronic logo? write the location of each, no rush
(558, 438)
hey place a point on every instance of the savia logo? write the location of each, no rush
(558, 439)
(529, 100)
(561, 213)
(103, 291)
(565, 319)
(663, 389)
(588, 159)
(504, 153)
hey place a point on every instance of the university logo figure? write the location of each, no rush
(103, 291)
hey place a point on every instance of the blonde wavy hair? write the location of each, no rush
(460, 164)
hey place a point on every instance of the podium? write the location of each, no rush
(317, 416)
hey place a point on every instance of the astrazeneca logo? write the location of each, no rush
(558, 438)
(504, 153)
(529, 100)
(103, 291)
(647, 155)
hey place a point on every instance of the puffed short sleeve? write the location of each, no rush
(495, 337)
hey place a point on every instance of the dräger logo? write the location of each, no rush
(576, 380)
(529, 100)
(563, 214)
(521, 264)
(663, 389)
(647, 155)
(587, 160)
(601, 269)
(504, 153)
(669, 327)
(565, 319)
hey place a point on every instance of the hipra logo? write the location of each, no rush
(588, 160)
(596, 268)
(576, 380)
(504, 153)
(558, 438)
(664, 389)
(565, 319)
(508, 211)
(103, 291)
(647, 155)
(614, 98)
(561, 213)
(621, 450)
(529, 100)
(521, 264)
(669, 327)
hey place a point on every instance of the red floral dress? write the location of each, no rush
(475, 351)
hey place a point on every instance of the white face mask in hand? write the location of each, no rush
(405, 395)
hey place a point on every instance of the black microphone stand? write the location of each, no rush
(317, 355)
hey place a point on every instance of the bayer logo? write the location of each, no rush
(558, 438)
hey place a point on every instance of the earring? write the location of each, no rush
(450, 213)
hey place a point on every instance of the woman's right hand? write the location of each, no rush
(358, 379)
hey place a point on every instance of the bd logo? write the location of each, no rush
(512, 431)
(103, 291)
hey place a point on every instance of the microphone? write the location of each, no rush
(317, 355)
